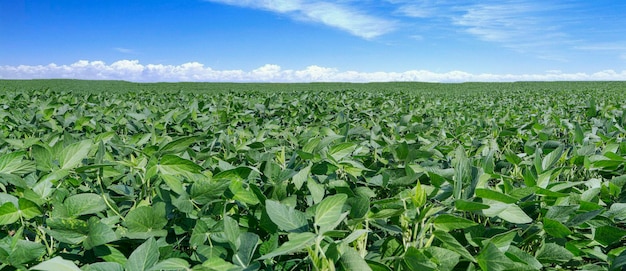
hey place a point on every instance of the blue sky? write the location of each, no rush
(313, 40)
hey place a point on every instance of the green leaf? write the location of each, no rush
(174, 165)
(553, 253)
(328, 213)
(503, 240)
(170, 264)
(239, 173)
(494, 195)
(608, 235)
(448, 222)
(342, 150)
(55, 264)
(68, 230)
(9, 214)
(464, 205)
(73, 155)
(144, 257)
(462, 172)
(619, 262)
(508, 212)
(43, 157)
(555, 228)
(99, 234)
(248, 242)
(21, 251)
(286, 218)
(551, 159)
(110, 254)
(297, 242)
(451, 243)
(415, 260)
(145, 221)
(301, 177)
(492, 259)
(104, 266)
(83, 204)
(521, 256)
(351, 260)
(179, 145)
(445, 259)
(13, 163)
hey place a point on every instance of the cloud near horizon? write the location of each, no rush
(132, 70)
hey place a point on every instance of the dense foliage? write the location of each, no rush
(396, 176)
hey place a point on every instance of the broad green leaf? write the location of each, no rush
(99, 234)
(104, 266)
(551, 159)
(508, 212)
(178, 145)
(555, 228)
(247, 245)
(68, 230)
(297, 242)
(445, 259)
(354, 235)
(73, 155)
(28, 209)
(174, 165)
(219, 264)
(301, 177)
(14, 163)
(415, 260)
(608, 235)
(9, 214)
(285, 217)
(351, 260)
(619, 262)
(464, 205)
(521, 256)
(448, 222)
(231, 231)
(110, 254)
(494, 195)
(342, 150)
(21, 251)
(174, 183)
(553, 253)
(170, 264)
(55, 264)
(243, 194)
(492, 259)
(143, 257)
(146, 221)
(328, 213)
(503, 240)
(83, 204)
(451, 243)
(239, 173)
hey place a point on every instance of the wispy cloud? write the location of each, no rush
(124, 50)
(344, 17)
(609, 46)
(132, 70)
(520, 25)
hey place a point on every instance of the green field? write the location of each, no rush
(111, 175)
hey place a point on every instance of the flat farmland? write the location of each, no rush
(113, 175)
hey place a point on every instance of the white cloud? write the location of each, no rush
(344, 17)
(124, 50)
(132, 70)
